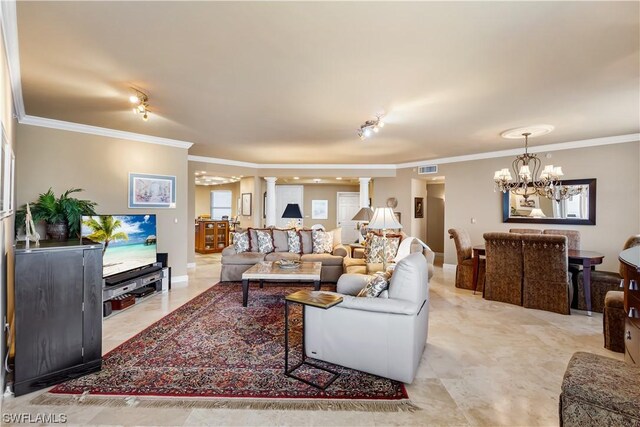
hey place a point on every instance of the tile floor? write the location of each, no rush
(485, 363)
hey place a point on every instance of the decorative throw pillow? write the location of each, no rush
(322, 242)
(375, 251)
(293, 241)
(241, 242)
(280, 240)
(306, 241)
(265, 241)
(376, 284)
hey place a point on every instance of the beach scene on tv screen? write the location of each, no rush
(129, 241)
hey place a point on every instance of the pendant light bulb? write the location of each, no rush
(134, 99)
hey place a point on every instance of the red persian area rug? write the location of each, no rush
(214, 353)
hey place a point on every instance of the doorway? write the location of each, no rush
(348, 205)
(435, 217)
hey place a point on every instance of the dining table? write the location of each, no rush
(586, 259)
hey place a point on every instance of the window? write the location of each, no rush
(221, 204)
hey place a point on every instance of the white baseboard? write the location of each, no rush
(449, 267)
(179, 279)
(191, 265)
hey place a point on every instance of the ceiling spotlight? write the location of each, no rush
(142, 99)
(370, 127)
(339, 178)
(296, 177)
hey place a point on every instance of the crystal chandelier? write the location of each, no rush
(528, 183)
(370, 127)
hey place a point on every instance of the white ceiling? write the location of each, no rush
(291, 82)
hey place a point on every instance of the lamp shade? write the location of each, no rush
(384, 218)
(292, 211)
(537, 213)
(364, 215)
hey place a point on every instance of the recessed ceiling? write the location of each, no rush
(290, 82)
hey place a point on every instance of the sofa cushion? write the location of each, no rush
(245, 258)
(274, 256)
(325, 259)
(306, 241)
(322, 242)
(280, 240)
(265, 241)
(294, 242)
(241, 242)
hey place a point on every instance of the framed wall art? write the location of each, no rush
(319, 209)
(246, 204)
(418, 207)
(152, 191)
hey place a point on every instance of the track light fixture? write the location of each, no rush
(141, 102)
(370, 127)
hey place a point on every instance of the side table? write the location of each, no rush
(315, 299)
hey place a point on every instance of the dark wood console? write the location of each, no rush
(58, 313)
(630, 259)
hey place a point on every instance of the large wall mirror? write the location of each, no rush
(579, 209)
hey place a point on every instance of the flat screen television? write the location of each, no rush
(129, 241)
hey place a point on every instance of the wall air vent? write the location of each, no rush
(425, 170)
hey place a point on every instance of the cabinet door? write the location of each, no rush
(92, 304)
(49, 293)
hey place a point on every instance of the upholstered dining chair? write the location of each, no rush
(464, 268)
(603, 282)
(573, 237)
(546, 285)
(525, 230)
(503, 280)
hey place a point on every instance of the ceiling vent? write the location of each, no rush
(425, 170)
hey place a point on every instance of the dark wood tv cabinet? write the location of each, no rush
(58, 313)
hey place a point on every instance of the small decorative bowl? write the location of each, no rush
(287, 263)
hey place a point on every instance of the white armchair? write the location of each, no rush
(381, 336)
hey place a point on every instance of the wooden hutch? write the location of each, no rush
(630, 259)
(211, 236)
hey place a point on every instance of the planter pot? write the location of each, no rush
(58, 231)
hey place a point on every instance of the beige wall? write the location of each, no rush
(400, 188)
(324, 192)
(8, 125)
(62, 160)
(470, 194)
(203, 197)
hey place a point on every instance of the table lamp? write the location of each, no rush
(363, 216)
(292, 211)
(384, 219)
(537, 213)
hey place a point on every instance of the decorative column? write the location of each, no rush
(364, 192)
(270, 208)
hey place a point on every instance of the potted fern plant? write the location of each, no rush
(62, 215)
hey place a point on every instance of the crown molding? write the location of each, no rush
(214, 160)
(9, 25)
(95, 130)
(584, 143)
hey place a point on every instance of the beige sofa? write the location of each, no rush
(234, 264)
(356, 264)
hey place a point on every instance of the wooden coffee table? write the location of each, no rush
(266, 270)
